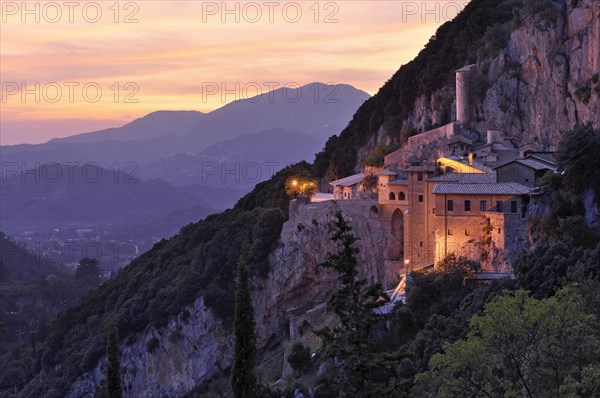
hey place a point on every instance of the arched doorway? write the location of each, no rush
(398, 232)
(398, 223)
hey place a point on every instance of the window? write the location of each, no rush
(499, 206)
(420, 198)
(420, 177)
(466, 232)
(401, 196)
(450, 205)
(433, 211)
(482, 205)
(421, 243)
(467, 205)
(392, 196)
(449, 232)
(513, 206)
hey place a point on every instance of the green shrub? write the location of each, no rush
(299, 357)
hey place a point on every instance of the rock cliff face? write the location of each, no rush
(543, 82)
(305, 240)
(195, 346)
(171, 361)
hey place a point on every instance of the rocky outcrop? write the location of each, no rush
(545, 81)
(295, 277)
(170, 361)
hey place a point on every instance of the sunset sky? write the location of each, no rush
(163, 53)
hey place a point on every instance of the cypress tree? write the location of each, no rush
(349, 342)
(113, 367)
(243, 372)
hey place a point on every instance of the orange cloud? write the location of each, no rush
(174, 48)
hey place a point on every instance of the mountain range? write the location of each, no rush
(187, 162)
(164, 133)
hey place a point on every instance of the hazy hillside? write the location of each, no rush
(238, 163)
(18, 263)
(152, 125)
(75, 196)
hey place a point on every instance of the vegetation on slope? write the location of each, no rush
(199, 261)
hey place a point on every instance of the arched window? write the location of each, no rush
(401, 196)
(392, 196)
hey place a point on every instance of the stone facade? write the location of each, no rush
(474, 226)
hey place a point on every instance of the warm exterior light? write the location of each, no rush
(294, 183)
(406, 261)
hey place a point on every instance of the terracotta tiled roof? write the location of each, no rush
(469, 178)
(504, 188)
(532, 163)
(348, 181)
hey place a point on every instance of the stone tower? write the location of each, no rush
(464, 105)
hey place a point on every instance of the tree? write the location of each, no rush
(299, 357)
(577, 158)
(296, 185)
(460, 265)
(243, 371)
(521, 346)
(350, 341)
(114, 388)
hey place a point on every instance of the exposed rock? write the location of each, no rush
(295, 277)
(541, 84)
(189, 351)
